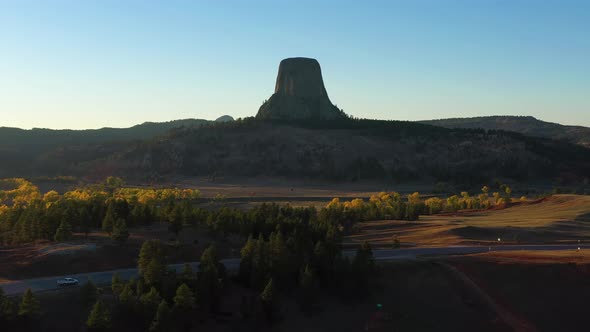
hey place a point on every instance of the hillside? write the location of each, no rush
(347, 150)
(527, 125)
(19, 147)
(37, 137)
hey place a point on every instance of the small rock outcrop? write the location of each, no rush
(225, 118)
(299, 93)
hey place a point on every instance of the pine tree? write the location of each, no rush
(99, 318)
(247, 254)
(321, 262)
(278, 257)
(268, 300)
(260, 264)
(364, 258)
(29, 306)
(187, 275)
(140, 287)
(161, 321)
(120, 232)
(151, 261)
(116, 284)
(127, 297)
(64, 231)
(184, 297)
(308, 285)
(85, 221)
(208, 286)
(175, 220)
(109, 219)
(7, 307)
(151, 299)
(363, 265)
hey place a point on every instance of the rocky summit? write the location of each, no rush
(299, 93)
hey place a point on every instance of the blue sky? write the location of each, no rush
(89, 64)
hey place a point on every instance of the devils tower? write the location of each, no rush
(299, 93)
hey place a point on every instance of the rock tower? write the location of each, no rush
(299, 93)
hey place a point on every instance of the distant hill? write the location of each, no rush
(41, 137)
(527, 125)
(20, 149)
(347, 150)
(339, 150)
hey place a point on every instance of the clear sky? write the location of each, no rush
(89, 64)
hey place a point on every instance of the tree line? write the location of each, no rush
(26, 215)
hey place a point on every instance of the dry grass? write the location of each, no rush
(560, 218)
(272, 189)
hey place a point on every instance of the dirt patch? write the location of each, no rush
(66, 248)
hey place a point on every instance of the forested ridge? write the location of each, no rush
(347, 149)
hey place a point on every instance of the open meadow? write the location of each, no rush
(555, 219)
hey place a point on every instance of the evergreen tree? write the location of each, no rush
(187, 275)
(268, 300)
(260, 264)
(308, 288)
(151, 261)
(364, 260)
(85, 221)
(109, 219)
(363, 266)
(120, 232)
(246, 261)
(161, 321)
(208, 286)
(116, 284)
(63, 232)
(7, 308)
(184, 298)
(151, 299)
(187, 271)
(99, 318)
(277, 251)
(127, 297)
(184, 303)
(140, 287)
(175, 220)
(29, 306)
(321, 262)
(25, 230)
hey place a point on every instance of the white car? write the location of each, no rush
(67, 282)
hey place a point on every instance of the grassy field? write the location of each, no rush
(560, 218)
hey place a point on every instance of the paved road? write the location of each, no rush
(49, 283)
(104, 277)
